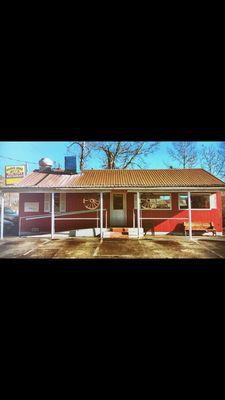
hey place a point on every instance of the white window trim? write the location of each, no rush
(34, 203)
(195, 209)
(60, 203)
(47, 203)
(157, 209)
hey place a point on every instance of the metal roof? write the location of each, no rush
(122, 179)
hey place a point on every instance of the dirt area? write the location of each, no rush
(153, 248)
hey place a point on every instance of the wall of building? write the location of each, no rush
(75, 202)
(172, 225)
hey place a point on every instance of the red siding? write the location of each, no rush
(214, 215)
(75, 202)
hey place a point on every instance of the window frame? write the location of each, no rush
(155, 209)
(195, 209)
(48, 201)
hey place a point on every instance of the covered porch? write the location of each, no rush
(118, 211)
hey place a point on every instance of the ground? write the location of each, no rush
(160, 247)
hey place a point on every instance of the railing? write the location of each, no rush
(58, 215)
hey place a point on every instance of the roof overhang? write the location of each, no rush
(13, 189)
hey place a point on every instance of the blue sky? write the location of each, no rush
(34, 151)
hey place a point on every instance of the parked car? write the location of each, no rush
(10, 215)
(9, 226)
(11, 221)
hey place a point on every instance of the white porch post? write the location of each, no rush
(138, 214)
(2, 214)
(189, 215)
(53, 216)
(101, 215)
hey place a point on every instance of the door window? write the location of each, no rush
(118, 202)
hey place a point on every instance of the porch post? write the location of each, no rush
(53, 216)
(101, 215)
(189, 216)
(2, 214)
(138, 214)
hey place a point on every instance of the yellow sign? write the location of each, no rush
(14, 174)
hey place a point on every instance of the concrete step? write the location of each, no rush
(123, 233)
(120, 229)
(115, 235)
(88, 232)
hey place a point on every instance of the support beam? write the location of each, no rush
(2, 214)
(53, 216)
(189, 216)
(101, 215)
(138, 214)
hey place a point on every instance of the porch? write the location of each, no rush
(121, 211)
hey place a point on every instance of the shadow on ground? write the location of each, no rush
(179, 248)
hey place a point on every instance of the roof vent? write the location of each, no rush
(45, 164)
(71, 164)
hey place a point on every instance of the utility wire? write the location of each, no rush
(13, 159)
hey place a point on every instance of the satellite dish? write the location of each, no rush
(46, 162)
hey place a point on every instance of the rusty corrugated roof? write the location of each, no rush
(123, 178)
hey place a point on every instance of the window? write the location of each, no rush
(198, 201)
(118, 202)
(31, 207)
(150, 201)
(60, 202)
(183, 201)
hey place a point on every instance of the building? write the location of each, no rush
(158, 200)
(11, 200)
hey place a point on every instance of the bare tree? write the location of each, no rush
(184, 153)
(212, 160)
(222, 149)
(85, 149)
(123, 155)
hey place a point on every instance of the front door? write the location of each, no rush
(118, 209)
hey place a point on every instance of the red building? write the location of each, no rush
(162, 200)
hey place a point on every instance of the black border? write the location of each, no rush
(121, 132)
(101, 133)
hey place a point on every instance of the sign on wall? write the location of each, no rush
(14, 174)
(31, 207)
